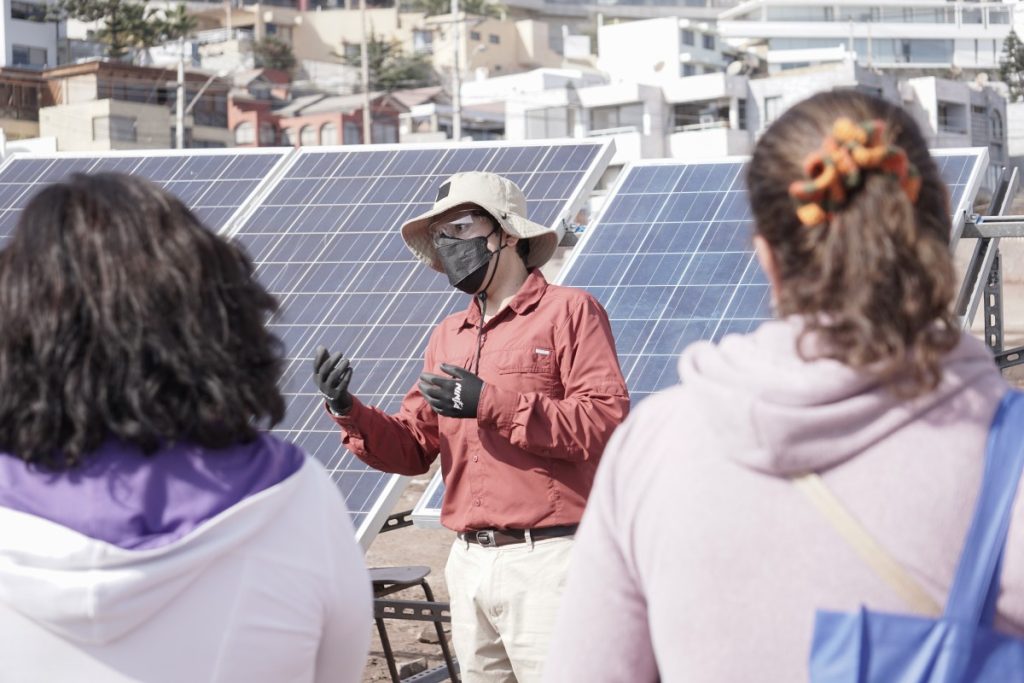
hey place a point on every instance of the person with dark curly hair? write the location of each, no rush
(152, 530)
(828, 460)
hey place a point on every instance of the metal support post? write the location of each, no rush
(994, 306)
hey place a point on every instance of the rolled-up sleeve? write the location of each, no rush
(405, 443)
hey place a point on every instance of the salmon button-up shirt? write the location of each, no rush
(553, 393)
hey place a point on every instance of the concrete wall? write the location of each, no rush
(708, 144)
(651, 51)
(72, 125)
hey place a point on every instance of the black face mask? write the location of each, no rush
(464, 261)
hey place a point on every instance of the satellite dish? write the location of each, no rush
(735, 68)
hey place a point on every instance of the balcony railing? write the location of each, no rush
(621, 130)
(706, 125)
(222, 35)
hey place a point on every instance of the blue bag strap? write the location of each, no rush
(977, 576)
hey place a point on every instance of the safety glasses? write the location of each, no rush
(469, 223)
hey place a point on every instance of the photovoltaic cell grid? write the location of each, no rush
(671, 260)
(325, 241)
(213, 185)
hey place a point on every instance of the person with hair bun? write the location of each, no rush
(149, 529)
(699, 557)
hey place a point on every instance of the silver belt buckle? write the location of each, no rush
(485, 537)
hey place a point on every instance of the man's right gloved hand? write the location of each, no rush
(332, 373)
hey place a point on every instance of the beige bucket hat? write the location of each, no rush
(496, 195)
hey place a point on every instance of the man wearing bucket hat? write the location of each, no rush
(519, 394)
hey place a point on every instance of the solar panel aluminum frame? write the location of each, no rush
(428, 516)
(970, 189)
(229, 225)
(396, 485)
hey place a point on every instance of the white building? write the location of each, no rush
(890, 34)
(659, 51)
(27, 39)
(718, 115)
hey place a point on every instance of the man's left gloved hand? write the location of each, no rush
(454, 396)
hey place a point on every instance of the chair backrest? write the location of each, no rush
(960, 646)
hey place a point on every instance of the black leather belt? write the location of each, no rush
(495, 538)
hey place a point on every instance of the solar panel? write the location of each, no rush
(671, 260)
(213, 183)
(325, 241)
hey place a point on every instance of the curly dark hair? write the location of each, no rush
(122, 316)
(875, 283)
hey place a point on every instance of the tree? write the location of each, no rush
(1011, 66)
(127, 25)
(391, 68)
(481, 8)
(273, 53)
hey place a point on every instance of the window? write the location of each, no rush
(114, 128)
(686, 37)
(307, 136)
(552, 122)
(422, 41)
(28, 11)
(493, 39)
(353, 133)
(268, 136)
(287, 137)
(772, 108)
(997, 127)
(701, 115)
(709, 42)
(245, 133)
(474, 35)
(998, 16)
(385, 131)
(25, 55)
(688, 70)
(623, 116)
(741, 114)
(952, 117)
(328, 134)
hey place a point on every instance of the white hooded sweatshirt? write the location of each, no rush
(273, 588)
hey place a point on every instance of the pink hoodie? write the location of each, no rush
(698, 560)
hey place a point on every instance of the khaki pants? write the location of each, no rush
(503, 604)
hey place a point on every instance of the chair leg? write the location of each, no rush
(389, 656)
(448, 661)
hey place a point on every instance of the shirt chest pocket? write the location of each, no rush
(531, 368)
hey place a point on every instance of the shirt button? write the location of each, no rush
(476, 458)
(477, 502)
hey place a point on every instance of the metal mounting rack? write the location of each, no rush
(983, 282)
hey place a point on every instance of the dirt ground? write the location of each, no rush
(429, 547)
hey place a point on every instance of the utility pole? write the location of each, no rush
(456, 75)
(179, 128)
(364, 62)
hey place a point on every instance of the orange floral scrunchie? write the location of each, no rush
(839, 166)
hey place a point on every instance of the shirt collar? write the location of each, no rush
(527, 297)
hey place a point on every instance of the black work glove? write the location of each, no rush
(454, 396)
(332, 373)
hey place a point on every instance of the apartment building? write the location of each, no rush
(257, 119)
(660, 51)
(99, 106)
(28, 40)
(919, 35)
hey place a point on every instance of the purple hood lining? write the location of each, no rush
(136, 501)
